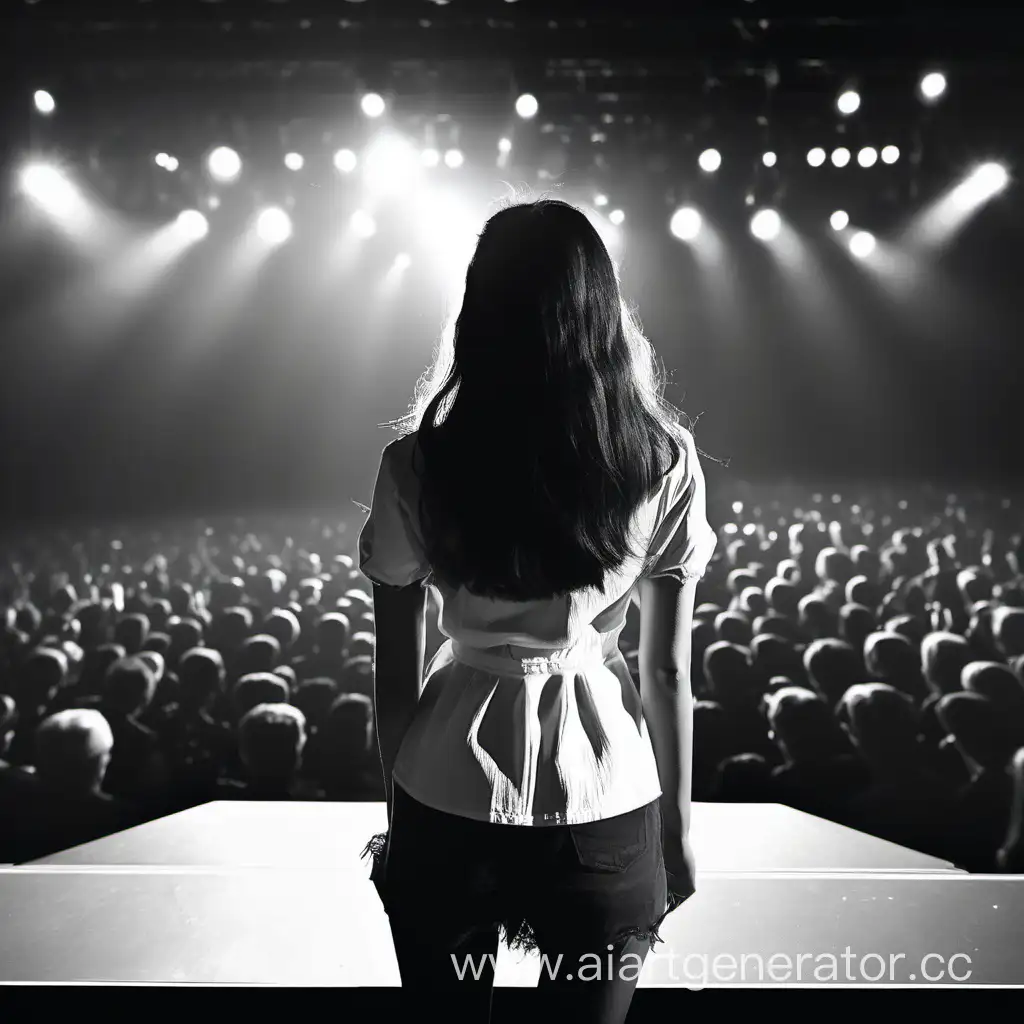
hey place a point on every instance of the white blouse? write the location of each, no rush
(528, 714)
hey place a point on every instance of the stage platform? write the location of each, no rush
(330, 836)
(244, 893)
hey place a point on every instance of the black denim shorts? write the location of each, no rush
(556, 888)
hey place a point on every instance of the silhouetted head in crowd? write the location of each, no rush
(860, 591)
(707, 612)
(1001, 686)
(259, 653)
(739, 579)
(915, 601)
(361, 644)
(268, 588)
(128, 687)
(72, 751)
(185, 634)
(182, 598)
(271, 738)
(803, 726)
(752, 602)
(979, 731)
(314, 698)
(200, 678)
(225, 594)
(943, 657)
(357, 674)
(63, 599)
(776, 625)
(832, 667)
(883, 724)
(283, 626)
(131, 632)
(730, 679)
(332, 634)
(734, 628)
(783, 598)
(28, 619)
(158, 643)
(865, 561)
(349, 729)
(773, 656)
(230, 629)
(975, 585)
(908, 626)
(834, 567)
(159, 611)
(258, 688)
(891, 658)
(41, 676)
(94, 667)
(743, 778)
(1008, 631)
(816, 618)
(156, 663)
(856, 623)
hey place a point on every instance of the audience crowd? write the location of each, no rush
(857, 658)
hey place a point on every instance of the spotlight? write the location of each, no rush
(390, 162)
(685, 224)
(345, 161)
(890, 154)
(816, 156)
(161, 159)
(932, 85)
(765, 225)
(372, 104)
(710, 160)
(848, 102)
(193, 224)
(403, 261)
(504, 145)
(294, 161)
(453, 158)
(430, 158)
(363, 224)
(985, 182)
(171, 164)
(49, 188)
(840, 156)
(44, 102)
(527, 106)
(274, 225)
(839, 220)
(616, 217)
(769, 159)
(868, 156)
(224, 164)
(862, 244)
(600, 199)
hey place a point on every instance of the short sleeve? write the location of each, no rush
(390, 545)
(683, 541)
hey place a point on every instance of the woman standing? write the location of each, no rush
(541, 481)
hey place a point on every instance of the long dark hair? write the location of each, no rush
(542, 423)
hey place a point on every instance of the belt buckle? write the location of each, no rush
(542, 666)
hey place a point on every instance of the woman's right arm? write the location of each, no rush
(666, 617)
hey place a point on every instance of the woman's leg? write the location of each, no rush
(597, 987)
(454, 980)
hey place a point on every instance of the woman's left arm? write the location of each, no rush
(399, 650)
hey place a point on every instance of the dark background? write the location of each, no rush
(153, 405)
